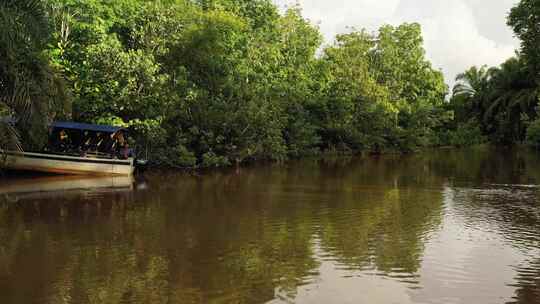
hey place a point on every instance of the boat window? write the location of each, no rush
(79, 142)
(96, 141)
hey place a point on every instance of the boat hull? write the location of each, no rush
(62, 164)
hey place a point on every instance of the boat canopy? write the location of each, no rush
(7, 120)
(85, 127)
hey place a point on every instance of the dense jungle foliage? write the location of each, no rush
(213, 82)
(500, 104)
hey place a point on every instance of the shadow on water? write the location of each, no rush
(308, 231)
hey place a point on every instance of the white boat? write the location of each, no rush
(77, 148)
(64, 164)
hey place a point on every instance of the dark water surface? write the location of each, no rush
(437, 227)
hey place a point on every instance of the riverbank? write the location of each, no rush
(333, 154)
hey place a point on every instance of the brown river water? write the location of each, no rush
(443, 226)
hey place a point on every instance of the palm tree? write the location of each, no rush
(471, 82)
(501, 99)
(513, 96)
(470, 92)
(29, 88)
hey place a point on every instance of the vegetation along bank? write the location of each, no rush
(215, 82)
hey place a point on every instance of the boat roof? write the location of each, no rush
(85, 127)
(7, 120)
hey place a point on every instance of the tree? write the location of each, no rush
(30, 90)
(356, 111)
(398, 60)
(524, 19)
(416, 89)
(470, 92)
(501, 100)
(511, 103)
(214, 82)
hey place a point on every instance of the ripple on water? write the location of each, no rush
(371, 231)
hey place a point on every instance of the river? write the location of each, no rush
(445, 226)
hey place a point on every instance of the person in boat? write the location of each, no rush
(120, 147)
(64, 142)
(85, 144)
(95, 143)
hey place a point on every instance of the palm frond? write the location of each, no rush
(9, 137)
(28, 85)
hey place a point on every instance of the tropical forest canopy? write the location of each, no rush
(215, 82)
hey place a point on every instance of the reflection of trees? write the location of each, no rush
(247, 240)
(485, 165)
(512, 209)
(528, 282)
(383, 223)
(190, 241)
(230, 236)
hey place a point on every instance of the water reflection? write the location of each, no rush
(438, 227)
(40, 187)
(528, 284)
(508, 218)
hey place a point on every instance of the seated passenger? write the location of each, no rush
(95, 143)
(85, 144)
(117, 140)
(64, 142)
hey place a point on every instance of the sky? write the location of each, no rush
(457, 33)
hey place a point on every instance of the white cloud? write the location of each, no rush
(457, 33)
